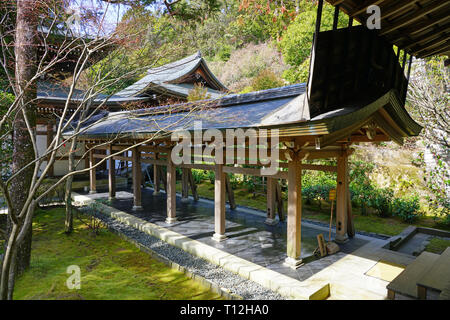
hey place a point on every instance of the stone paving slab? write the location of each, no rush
(438, 276)
(406, 282)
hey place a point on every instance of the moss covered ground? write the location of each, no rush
(111, 268)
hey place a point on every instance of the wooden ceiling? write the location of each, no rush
(421, 27)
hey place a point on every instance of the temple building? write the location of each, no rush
(168, 83)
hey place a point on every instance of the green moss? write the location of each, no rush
(111, 268)
(437, 245)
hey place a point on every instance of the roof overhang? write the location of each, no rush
(421, 27)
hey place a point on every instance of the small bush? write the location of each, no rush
(266, 79)
(382, 202)
(198, 176)
(211, 177)
(407, 208)
(317, 192)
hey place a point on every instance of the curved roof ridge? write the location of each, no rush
(168, 73)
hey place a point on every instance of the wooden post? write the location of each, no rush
(156, 177)
(336, 17)
(171, 192)
(230, 192)
(342, 198)
(92, 180)
(193, 186)
(219, 203)
(294, 217)
(184, 185)
(137, 176)
(271, 207)
(111, 174)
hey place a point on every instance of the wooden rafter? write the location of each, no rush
(411, 23)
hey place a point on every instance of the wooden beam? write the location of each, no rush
(363, 8)
(253, 172)
(111, 175)
(294, 216)
(137, 176)
(441, 49)
(341, 199)
(432, 35)
(410, 19)
(219, 204)
(397, 7)
(336, 17)
(171, 193)
(92, 178)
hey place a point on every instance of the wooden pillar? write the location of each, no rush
(342, 198)
(156, 177)
(271, 201)
(184, 185)
(171, 192)
(137, 176)
(92, 178)
(294, 216)
(219, 203)
(111, 174)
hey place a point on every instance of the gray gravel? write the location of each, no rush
(247, 289)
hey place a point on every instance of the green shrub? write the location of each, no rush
(198, 176)
(234, 181)
(382, 202)
(407, 208)
(317, 192)
(211, 177)
(266, 79)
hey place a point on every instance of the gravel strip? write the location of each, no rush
(247, 289)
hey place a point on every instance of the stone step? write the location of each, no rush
(437, 277)
(405, 283)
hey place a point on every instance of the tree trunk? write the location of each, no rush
(68, 191)
(23, 152)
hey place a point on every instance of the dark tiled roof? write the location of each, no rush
(256, 109)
